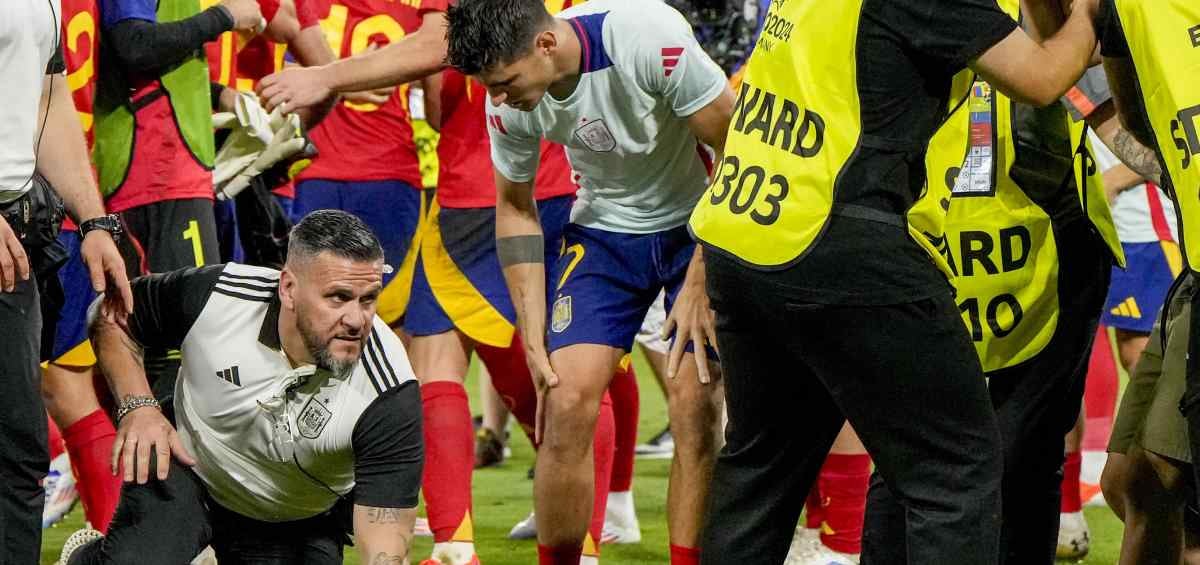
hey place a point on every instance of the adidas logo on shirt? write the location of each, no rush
(231, 375)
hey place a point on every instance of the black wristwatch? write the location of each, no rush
(110, 223)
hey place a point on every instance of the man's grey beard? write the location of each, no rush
(320, 351)
(340, 369)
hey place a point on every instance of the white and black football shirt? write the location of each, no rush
(274, 442)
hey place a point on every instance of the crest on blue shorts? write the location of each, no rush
(560, 319)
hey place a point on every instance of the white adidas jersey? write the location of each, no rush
(265, 450)
(639, 168)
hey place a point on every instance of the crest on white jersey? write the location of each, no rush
(596, 136)
(313, 418)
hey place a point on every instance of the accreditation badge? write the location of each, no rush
(977, 177)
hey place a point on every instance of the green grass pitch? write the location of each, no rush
(503, 496)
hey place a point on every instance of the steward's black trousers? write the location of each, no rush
(1038, 401)
(1036, 404)
(24, 459)
(908, 379)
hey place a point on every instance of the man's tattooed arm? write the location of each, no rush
(118, 355)
(383, 535)
(1138, 157)
(377, 515)
(382, 558)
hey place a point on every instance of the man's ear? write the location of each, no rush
(287, 288)
(546, 42)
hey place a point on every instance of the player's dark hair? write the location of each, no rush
(337, 232)
(484, 33)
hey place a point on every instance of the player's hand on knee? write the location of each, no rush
(544, 379)
(14, 264)
(691, 320)
(141, 432)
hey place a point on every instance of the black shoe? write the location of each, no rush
(661, 446)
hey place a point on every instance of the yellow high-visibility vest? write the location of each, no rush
(1164, 41)
(795, 127)
(999, 235)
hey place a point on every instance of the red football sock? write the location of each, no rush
(510, 377)
(55, 443)
(563, 555)
(685, 555)
(449, 460)
(1071, 501)
(814, 514)
(624, 392)
(603, 461)
(843, 482)
(90, 442)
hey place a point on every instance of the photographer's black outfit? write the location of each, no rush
(30, 49)
(24, 460)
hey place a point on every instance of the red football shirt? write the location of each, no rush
(465, 177)
(365, 142)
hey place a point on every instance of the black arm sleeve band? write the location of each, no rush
(166, 305)
(389, 450)
(145, 48)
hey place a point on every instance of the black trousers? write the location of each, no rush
(24, 460)
(908, 379)
(169, 522)
(1036, 403)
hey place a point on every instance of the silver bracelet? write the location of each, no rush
(131, 403)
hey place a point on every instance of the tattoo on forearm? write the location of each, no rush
(520, 249)
(132, 346)
(376, 515)
(384, 558)
(1138, 157)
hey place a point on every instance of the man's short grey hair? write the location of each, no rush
(337, 232)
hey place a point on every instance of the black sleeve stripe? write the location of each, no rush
(256, 284)
(246, 286)
(269, 281)
(373, 353)
(249, 292)
(366, 362)
(238, 295)
(383, 355)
